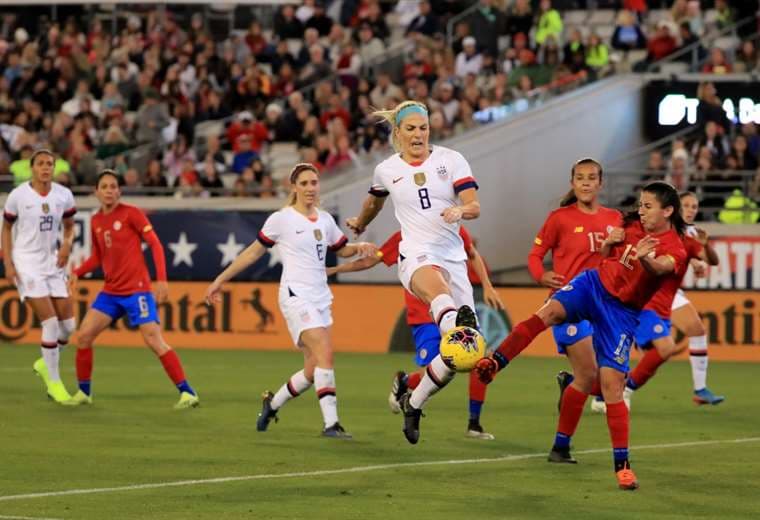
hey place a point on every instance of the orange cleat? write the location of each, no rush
(627, 479)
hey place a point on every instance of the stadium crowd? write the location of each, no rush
(133, 100)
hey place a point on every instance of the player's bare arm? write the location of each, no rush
(657, 265)
(361, 264)
(709, 254)
(370, 209)
(468, 210)
(10, 269)
(363, 249)
(248, 257)
(67, 243)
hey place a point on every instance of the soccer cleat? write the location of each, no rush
(411, 420)
(398, 389)
(475, 431)
(78, 399)
(266, 414)
(40, 368)
(187, 400)
(627, 395)
(466, 317)
(705, 396)
(598, 405)
(336, 431)
(57, 392)
(564, 379)
(561, 455)
(627, 479)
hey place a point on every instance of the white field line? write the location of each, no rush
(4, 517)
(355, 469)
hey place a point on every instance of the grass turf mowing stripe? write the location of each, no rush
(356, 469)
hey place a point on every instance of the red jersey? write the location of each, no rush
(117, 246)
(662, 301)
(626, 279)
(574, 238)
(417, 313)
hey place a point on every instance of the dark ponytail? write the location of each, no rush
(570, 197)
(666, 195)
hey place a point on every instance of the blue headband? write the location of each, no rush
(411, 109)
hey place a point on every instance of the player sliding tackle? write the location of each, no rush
(432, 189)
(610, 297)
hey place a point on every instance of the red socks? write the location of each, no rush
(414, 380)
(646, 368)
(173, 367)
(84, 364)
(477, 388)
(522, 335)
(571, 410)
(618, 424)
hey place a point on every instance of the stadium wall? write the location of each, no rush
(368, 319)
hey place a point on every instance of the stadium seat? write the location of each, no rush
(228, 179)
(604, 31)
(577, 17)
(675, 67)
(602, 17)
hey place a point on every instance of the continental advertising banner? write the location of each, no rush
(739, 266)
(367, 318)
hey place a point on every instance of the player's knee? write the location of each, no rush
(696, 329)
(66, 328)
(584, 377)
(50, 330)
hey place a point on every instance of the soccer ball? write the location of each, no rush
(461, 348)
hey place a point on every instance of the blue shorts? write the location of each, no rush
(139, 307)
(651, 327)
(567, 334)
(427, 343)
(585, 298)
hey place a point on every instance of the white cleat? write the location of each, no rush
(627, 395)
(598, 406)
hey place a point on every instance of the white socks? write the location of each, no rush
(50, 352)
(324, 384)
(65, 329)
(698, 359)
(444, 312)
(437, 375)
(296, 385)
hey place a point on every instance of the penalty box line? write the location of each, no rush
(355, 469)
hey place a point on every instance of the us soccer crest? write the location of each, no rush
(45, 208)
(318, 234)
(419, 178)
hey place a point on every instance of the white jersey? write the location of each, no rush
(303, 244)
(420, 193)
(36, 226)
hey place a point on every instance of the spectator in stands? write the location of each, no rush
(210, 179)
(710, 107)
(310, 39)
(239, 188)
(749, 131)
(286, 25)
(341, 154)
(524, 88)
(726, 16)
(689, 39)
(151, 119)
(319, 19)
(154, 178)
(334, 110)
(747, 59)
(448, 104)
(678, 175)
(715, 142)
(549, 23)
(661, 44)
(469, 61)
(519, 19)
(245, 154)
(694, 17)
(386, 93)
(174, 160)
(438, 127)
(656, 164)
(679, 11)
(597, 54)
(486, 23)
(717, 63)
(370, 47)
(745, 160)
(114, 142)
(373, 16)
(310, 155)
(348, 66)
(426, 22)
(638, 7)
(131, 182)
(245, 125)
(21, 168)
(574, 52)
(628, 34)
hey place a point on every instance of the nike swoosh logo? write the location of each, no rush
(396, 180)
(299, 232)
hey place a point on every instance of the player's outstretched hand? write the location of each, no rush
(452, 215)
(486, 369)
(366, 249)
(552, 280)
(213, 293)
(646, 246)
(493, 299)
(353, 224)
(63, 256)
(161, 291)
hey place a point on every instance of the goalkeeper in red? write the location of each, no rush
(118, 231)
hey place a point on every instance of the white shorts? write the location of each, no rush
(40, 286)
(301, 315)
(680, 300)
(455, 273)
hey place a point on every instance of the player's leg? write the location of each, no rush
(296, 385)
(94, 322)
(686, 318)
(583, 362)
(427, 340)
(48, 366)
(653, 336)
(618, 422)
(317, 341)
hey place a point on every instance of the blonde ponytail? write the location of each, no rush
(391, 116)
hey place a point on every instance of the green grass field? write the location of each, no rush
(131, 436)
